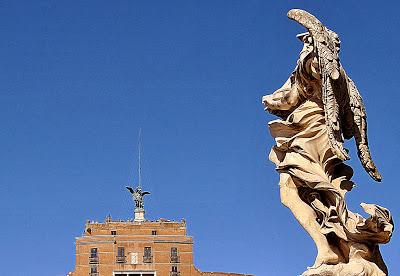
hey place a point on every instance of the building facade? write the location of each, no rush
(136, 248)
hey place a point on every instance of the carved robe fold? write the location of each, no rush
(302, 150)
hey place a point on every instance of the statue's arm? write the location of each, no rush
(283, 99)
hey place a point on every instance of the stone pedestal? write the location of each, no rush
(139, 215)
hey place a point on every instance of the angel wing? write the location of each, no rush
(343, 118)
(145, 193)
(130, 189)
(360, 129)
(327, 46)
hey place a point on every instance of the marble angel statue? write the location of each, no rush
(319, 107)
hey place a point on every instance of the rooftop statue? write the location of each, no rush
(137, 196)
(319, 107)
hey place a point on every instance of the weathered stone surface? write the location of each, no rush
(353, 268)
(319, 106)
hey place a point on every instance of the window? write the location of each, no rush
(93, 252)
(93, 258)
(154, 232)
(174, 255)
(128, 273)
(121, 255)
(93, 270)
(114, 233)
(174, 271)
(147, 258)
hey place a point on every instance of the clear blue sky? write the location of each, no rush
(79, 78)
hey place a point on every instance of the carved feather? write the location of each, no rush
(332, 119)
(360, 130)
(326, 44)
(326, 41)
(344, 109)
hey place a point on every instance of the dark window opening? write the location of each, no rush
(134, 274)
(93, 252)
(121, 255)
(174, 271)
(147, 257)
(114, 233)
(154, 232)
(93, 270)
(121, 251)
(174, 255)
(93, 258)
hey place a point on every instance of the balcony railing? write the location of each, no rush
(175, 259)
(93, 274)
(93, 259)
(120, 259)
(174, 273)
(147, 259)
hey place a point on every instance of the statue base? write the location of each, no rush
(139, 215)
(358, 267)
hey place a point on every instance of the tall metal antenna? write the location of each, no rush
(140, 158)
(137, 194)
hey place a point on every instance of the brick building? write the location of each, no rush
(137, 248)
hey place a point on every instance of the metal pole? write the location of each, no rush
(140, 158)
